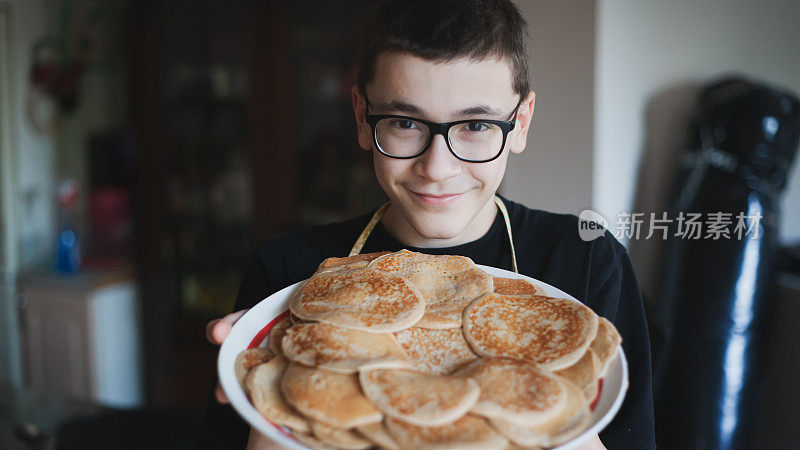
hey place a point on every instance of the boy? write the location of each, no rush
(442, 99)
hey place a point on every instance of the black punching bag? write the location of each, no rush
(715, 292)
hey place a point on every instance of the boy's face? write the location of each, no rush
(437, 199)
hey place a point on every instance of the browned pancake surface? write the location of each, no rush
(420, 398)
(515, 390)
(551, 332)
(332, 398)
(437, 351)
(448, 283)
(360, 299)
(573, 420)
(342, 349)
(516, 286)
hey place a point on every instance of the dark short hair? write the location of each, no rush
(442, 30)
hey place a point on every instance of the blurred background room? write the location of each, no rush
(148, 146)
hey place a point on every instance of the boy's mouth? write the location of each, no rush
(436, 199)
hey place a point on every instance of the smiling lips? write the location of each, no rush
(436, 199)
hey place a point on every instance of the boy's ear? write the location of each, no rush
(360, 110)
(518, 138)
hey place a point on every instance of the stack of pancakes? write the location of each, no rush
(408, 350)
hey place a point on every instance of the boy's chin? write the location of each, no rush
(438, 229)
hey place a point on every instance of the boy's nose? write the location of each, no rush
(437, 163)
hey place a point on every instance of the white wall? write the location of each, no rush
(34, 150)
(555, 171)
(651, 55)
(26, 167)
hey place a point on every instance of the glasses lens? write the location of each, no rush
(401, 137)
(476, 140)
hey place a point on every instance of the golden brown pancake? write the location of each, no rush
(448, 283)
(468, 432)
(419, 398)
(276, 335)
(361, 299)
(263, 386)
(452, 294)
(605, 343)
(516, 286)
(551, 332)
(338, 438)
(377, 433)
(341, 349)
(348, 262)
(247, 359)
(516, 391)
(334, 399)
(575, 418)
(435, 351)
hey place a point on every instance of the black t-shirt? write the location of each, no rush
(548, 248)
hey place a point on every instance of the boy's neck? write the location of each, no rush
(400, 229)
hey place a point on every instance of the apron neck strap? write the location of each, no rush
(362, 238)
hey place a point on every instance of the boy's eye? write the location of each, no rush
(476, 126)
(404, 124)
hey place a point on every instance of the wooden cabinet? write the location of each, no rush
(81, 337)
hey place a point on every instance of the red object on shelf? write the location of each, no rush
(110, 222)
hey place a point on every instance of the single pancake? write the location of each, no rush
(516, 286)
(342, 349)
(575, 418)
(551, 332)
(467, 433)
(360, 299)
(263, 386)
(435, 351)
(248, 359)
(334, 399)
(448, 283)
(419, 398)
(516, 391)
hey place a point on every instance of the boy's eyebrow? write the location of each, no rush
(408, 108)
(478, 110)
(398, 106)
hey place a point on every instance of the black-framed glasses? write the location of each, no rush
(470, 140)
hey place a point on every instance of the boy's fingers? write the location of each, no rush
(220, 395)
(210, 331)
(218, 329)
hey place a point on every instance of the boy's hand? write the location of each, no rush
(216, 332)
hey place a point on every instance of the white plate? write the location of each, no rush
(253, 328)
